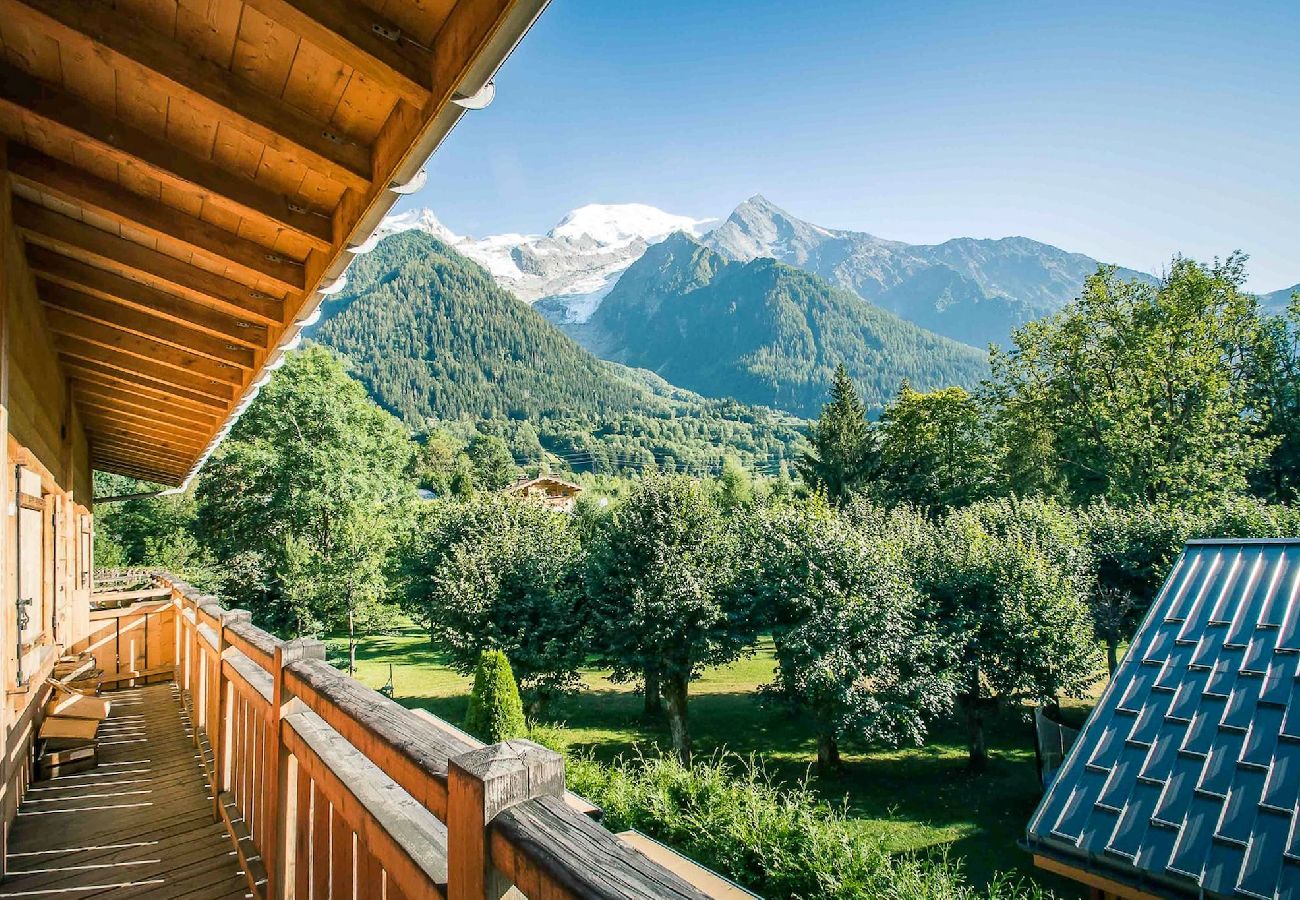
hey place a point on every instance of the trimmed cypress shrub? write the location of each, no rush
(495, 711)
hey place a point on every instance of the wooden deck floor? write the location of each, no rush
(139, 825)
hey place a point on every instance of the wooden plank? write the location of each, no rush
(143, 403)
(136, 382)
(85, 330)
(22, 95)
(114, 202)
(342, 879)
(302, 836)
(68, 235)
(143, 324)
(176, 308)
(160, 61)
(350, 32)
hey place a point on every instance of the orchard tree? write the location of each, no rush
(657, 585)
(512, 581)
(842, 457)
(1006, 582)
(302, 501)
(851, 653)
(938, 449)
(1138, 391)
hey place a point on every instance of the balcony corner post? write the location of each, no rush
(480, 785)
(221, 744)
(282, 798)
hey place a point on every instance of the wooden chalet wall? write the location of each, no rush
(43, 446)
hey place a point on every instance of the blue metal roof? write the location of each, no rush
(1185, 779)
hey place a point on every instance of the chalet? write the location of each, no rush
(548, 490)
(1185, 778)
(180, 185)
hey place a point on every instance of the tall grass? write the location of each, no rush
(780, 841)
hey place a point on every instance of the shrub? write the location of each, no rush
(495, 711)
(784, 842)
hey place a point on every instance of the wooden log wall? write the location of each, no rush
(330, 789)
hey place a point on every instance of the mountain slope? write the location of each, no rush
(432, 336)
(762, 332)
(571, 267)
(976, 291)
(1278, 301)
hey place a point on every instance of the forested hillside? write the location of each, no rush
(763, 332)
(435, 339)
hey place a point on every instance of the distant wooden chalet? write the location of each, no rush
(548, 490)
(1185, 779)
(180, 185)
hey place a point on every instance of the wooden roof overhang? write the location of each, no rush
(189, 173)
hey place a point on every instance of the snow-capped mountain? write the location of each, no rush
(570, 269)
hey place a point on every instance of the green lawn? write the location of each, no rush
(919, 798)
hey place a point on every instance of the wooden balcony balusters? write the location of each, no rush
(330, 789)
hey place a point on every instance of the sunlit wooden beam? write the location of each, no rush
(159, 60)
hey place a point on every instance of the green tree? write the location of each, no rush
(302, 503)
(658, 604)
(495, 711)
(1007, 584)
(937, 449)
(512, 581)
(1137, 391)
(735, 486)
(851, 653)
(494, 467)
(1275, 388)
(842, 455)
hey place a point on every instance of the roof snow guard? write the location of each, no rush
(1185, 779)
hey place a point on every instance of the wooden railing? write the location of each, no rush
(332, 790)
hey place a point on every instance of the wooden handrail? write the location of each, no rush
(331, 788)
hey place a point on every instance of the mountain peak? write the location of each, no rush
(418, 220)
(621, 223)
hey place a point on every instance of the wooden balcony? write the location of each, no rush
(262, 761)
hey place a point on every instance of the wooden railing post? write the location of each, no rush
(221, 774)
(282, 798)
(480, 785)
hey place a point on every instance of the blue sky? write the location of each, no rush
(1127, 131)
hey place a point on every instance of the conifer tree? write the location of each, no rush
(843, 446)
(495, 712)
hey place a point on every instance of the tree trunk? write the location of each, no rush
(979, 754)
(1112, 654)
(674, 691)
(828, 753)
(352, 644)
(653, 696)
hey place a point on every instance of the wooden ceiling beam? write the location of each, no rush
(131, 444)
(151, 327)
(163, 62)
(88, 366)
(67, 182)
(74, 273)
(157, 360)
(94, 409)
(110, 463)
(352, 33)
(55, 109)
(182, 451)
(152, 406)
(68, 235)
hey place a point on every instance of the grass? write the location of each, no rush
(915, 799)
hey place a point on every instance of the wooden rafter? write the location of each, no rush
(131, 465)
(74, 185)
(78, 275)
(22, 95)
(69, 324)
(115, 396)
(135, 381)
(97, 414)
(158, 60)
(93, 342)
(70, 236)
(109, 431)
(352, 33)
(145, 325)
